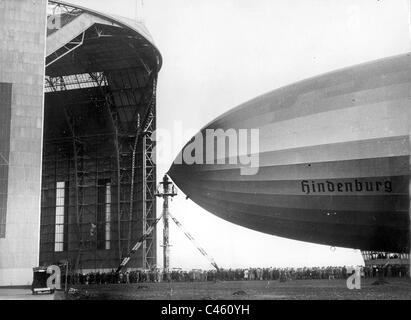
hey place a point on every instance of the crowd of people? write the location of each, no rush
(249, 274)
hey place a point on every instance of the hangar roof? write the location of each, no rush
(90, 41)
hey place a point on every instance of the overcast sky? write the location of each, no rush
(220, 53)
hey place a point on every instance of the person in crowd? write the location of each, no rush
(258, 274)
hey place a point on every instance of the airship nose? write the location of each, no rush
(180, 173)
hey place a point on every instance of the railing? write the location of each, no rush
(383, 258)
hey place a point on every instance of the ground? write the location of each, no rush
(232, 290)
(22, 294)
(250, 290)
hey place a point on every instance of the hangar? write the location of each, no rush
(78, 104)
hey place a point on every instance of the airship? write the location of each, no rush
(333, 160)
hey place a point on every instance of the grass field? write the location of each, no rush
(250, 290)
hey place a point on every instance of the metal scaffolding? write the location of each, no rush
(149, 189)
(132, 149)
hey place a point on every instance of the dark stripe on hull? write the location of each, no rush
(250, 195)
(382, 149)
(389, 166)
(331, 232)
(365, 186)
(346, 217)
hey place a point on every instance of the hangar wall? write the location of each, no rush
(22, 51)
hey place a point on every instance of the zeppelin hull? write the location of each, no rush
(333, 160)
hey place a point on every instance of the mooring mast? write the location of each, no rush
(167, 192)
